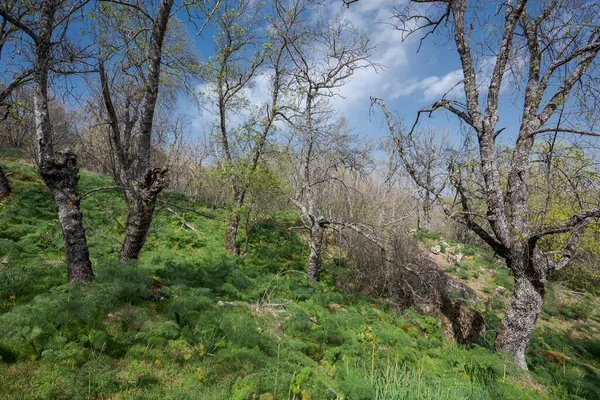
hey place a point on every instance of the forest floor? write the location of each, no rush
(189, 321)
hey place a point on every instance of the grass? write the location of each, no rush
(228, 327)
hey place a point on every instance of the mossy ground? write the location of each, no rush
(230, 327)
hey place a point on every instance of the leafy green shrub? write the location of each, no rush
(426, 234)
(354, 384)
(467, 249)
(581, 310)
(463, 275)
(242, 361)
(451, 268)
(583, 275)
(502, 278)
(549, 310)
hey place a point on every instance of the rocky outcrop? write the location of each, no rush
(450, 301)
(407, 275)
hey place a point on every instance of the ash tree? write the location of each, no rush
(542, 57)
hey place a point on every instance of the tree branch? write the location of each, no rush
(99, 189)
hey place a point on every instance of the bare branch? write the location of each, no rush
(566, 130)
(576, 220)
(100, 189)
(131, 5)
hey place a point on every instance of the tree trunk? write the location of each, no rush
(314, 258)
(140, 214)
(427, 206)
(231, 233)
(234, 223)
(524, 308)
(5, 190)
(61, 178)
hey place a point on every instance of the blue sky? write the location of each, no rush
(408, 81)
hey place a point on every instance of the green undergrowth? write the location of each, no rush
(564, 351)
(189, 321)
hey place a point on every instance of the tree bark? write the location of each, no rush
(5, 190)
(140, 214)
(153, 83)
(61, 178)
(427, 206)
(314, 258)
(231, 233)
(145, 183)
(524, 308)
(234, 223)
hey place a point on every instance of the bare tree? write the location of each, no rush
(548, 52)
(244, 55)
(15, 79)
(424, 156)
(45, 33)
(131, 127)
(328, 55)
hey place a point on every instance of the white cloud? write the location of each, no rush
(449, 84)
(398, 78)
(389, 54)
(206, 116)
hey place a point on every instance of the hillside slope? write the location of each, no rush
(190, 321)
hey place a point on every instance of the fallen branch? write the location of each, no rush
(189, 210)
(292, 228)
(273, 307)
(183, 222)
(99, 189)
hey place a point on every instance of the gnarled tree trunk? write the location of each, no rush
(314, 258)
(59, 175)
(61, 178)
(5, 190)
(524, 308)
(140, 214)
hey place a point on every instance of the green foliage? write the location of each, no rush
(274, 336)
(467, 249)
(581, 310)
(502, 278)
(422, 234)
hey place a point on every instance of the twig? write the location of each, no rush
(190, 210)
(292, 228)
(101, 188)
(255, 307)
(183, 221)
